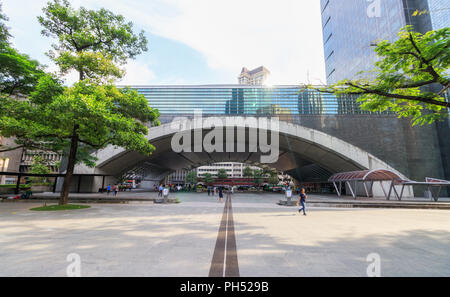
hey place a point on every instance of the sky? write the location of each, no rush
(200, 41)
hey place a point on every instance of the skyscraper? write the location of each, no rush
(352, 27)
(439, 13)
(256, 76)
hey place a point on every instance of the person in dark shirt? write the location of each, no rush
(220, 194)
(302, 201)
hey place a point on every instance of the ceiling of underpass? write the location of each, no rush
(303, 160)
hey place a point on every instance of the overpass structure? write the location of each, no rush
(318, 135)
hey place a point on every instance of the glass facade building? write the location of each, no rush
(283, 101)
(439, 13)
(352, 27)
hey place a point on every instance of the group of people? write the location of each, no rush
(112, 188)
(164, 190)
(172, 188)
(217, 190)
(116, 188)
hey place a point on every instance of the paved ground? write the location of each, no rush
(181, 239)
(144, 194)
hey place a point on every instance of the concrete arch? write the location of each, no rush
(300, 147)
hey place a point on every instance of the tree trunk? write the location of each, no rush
(63, 199)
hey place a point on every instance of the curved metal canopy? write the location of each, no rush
(366, 175)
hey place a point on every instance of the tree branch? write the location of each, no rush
(430, 68)
(11, 149)
(398, 96)
(417, 84)
(438, 54)
(96, 146)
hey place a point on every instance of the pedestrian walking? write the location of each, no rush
(220, 194)
(108, 189)
(302, 202)
(214, 191)
(209, 190)
(160, 194)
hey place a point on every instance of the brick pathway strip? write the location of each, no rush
(225, 261)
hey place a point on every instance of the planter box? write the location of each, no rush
(7, 190)
(41, 189)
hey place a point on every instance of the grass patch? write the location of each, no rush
(60, 207)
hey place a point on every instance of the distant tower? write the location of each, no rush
(255, 77)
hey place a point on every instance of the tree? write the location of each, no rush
(191, 178)
(39, 166)
(268, 171)
(222, 174)
(411, 77)
(273, 179)
(18, 73)
(93, 113)
(208, 178)
(258, 177)
(93, 43)
(248, 172)
(4, 31)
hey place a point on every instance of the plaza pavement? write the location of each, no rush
(147, 239)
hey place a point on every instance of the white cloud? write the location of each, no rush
(137, 74)
(283, 35)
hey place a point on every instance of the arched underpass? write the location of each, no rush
(304, 153)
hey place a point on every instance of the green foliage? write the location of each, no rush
(191, 178)
(91, 42)
(18, 73)
(92, 113)
(411, 77)
(208, 178)
(273, 179)
(269, 172)
(18, 76)
(22, 187)
(60, 207)
(248, 172)
(101, 115)
(4, 32)
(258, 177)
(222, 174)
(39, 166)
